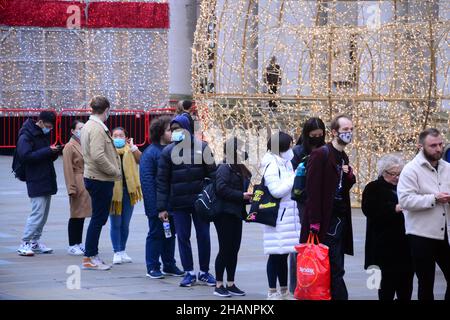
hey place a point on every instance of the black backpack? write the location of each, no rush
(18, 166)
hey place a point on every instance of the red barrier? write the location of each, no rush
(11, 120)
(136, 122)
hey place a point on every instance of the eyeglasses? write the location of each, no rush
(394, 175)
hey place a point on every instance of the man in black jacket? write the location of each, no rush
(36, 154)
(182, 169)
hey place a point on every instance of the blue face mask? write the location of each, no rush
(46, 130)
(119, 143)
(177, 136)
(77, 134)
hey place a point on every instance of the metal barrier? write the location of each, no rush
(11, 120)
(136, 122)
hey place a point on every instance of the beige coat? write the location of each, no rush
(79, 199)
(418, 184)
(101, 161)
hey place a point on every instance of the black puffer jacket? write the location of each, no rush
(33, 148)
(177, 185)
(230, 186)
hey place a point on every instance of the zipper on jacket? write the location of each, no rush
(282, 215)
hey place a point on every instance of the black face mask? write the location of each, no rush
(316, 141)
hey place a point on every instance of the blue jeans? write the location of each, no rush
(183, 223)
(157, 245)
(40, 206)
(101, 193)
(120, 224)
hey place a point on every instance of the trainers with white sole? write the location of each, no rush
(39, 247)
(125, 258)
(94, 263)
(25, 250)
(117, 258)
(75, 250)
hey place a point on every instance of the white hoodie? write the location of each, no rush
(279, 179)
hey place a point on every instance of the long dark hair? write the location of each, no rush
(310, 125)
(232, 144)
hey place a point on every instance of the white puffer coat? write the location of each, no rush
(282, 238)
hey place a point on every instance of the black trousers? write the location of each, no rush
(335, 241)
(277, 268)
(75, 229)
(426, 253)
(396, 281)
(229, 233)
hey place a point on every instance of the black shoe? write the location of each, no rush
(235, 291)
(221, 292)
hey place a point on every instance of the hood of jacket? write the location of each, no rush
(183, 121)
(30, 127)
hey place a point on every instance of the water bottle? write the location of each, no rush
(166, 226)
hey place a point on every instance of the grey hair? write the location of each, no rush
(389, 161)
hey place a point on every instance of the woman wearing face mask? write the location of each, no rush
(79, 199)
(280, 240)
(232, 181)
(312, 137)
(125, 194)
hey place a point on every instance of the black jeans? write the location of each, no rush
(426, 253)
(335, 241)
(277, 268)
(396, 280)
(101, 193)
(229, 233)
(75, 229)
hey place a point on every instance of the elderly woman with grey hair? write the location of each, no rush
(386, 242)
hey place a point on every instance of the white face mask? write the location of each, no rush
(288, 155)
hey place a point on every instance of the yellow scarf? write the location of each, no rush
(131, 173)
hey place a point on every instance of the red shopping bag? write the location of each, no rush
(313, 270)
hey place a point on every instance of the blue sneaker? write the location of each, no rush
(207, 279)
(172, 271)
(155, 274)
(188, 280)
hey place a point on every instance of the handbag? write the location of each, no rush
(313, 270)
(264, 206)
(208, 205)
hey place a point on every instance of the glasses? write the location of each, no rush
(394, 175)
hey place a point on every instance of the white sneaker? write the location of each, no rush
(117, 259)
(81, 246)
(286, 296)
(39, 247)
(274, 296)
(125, 257)
(94, 263)
(25, 250)
(75, 250)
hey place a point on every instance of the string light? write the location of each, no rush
(369, 59)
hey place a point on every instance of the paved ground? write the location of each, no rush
(45, 277)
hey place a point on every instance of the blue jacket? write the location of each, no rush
(148, 168)
(178, 185)
(33, 149)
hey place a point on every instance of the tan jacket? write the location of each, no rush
(101, 161)
(418, 184)
(80, 201)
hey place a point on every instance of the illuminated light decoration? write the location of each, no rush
(118, 49)
(384, 63)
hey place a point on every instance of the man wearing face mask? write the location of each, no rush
(102, 168)
(182, 168)
(36, 154)
(329, 179)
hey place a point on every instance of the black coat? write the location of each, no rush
(230, 186)
(33, 148)
(178, 185)
(386, 241)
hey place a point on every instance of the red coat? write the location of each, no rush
(322, 179)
